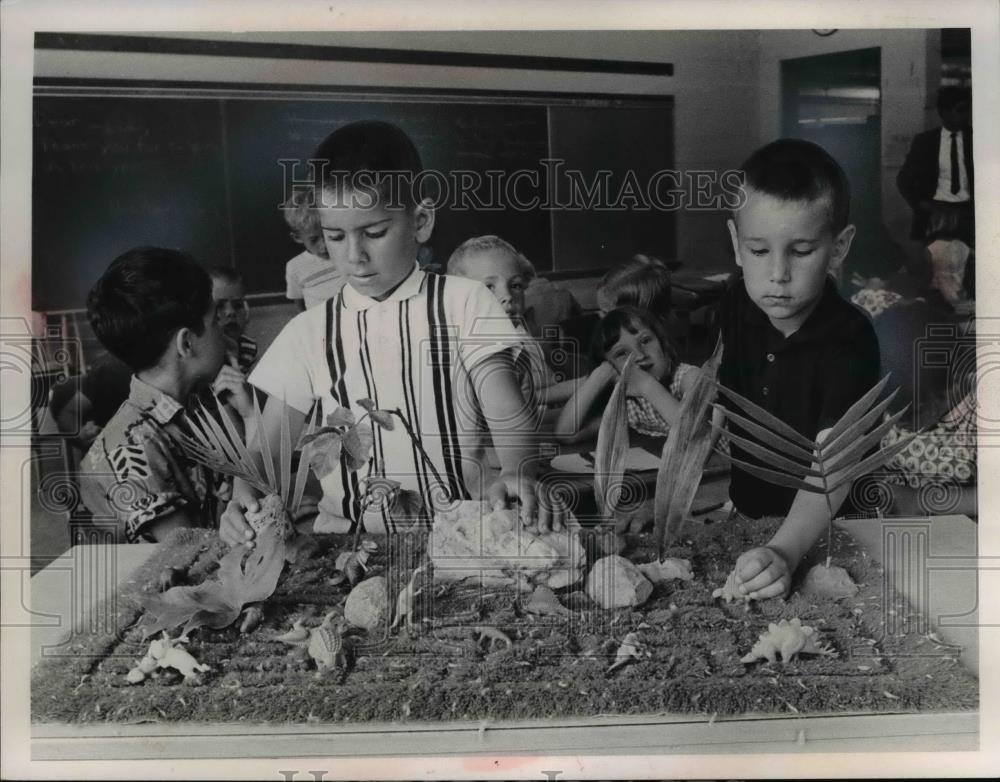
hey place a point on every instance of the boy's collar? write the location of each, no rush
(407, 289)
(160, 406)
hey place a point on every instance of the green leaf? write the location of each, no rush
(323, 452)
(246, 459)
(341, 417)
(772, 476)
(683, 460)
(773, 459)
(773, 423)
(612, 445)
(857, 447)
(769, 438)
(831, 448)
(858, 409)
(873, 462)
(285, 453)
(357, 446)
(367, 404)
(265, 445)
(383, 418)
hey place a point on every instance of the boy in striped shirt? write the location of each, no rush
(439, 349)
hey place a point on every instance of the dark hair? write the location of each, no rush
(795, 170)
(143, 298)
(950, 96)
(642, 281)
(630, 319)
(225, 274)
(377, 157)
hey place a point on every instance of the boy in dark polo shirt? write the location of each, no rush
(791, 344)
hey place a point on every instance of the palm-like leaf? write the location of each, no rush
(684, 454)
(841, 458)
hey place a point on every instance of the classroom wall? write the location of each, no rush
(911, 73)
(714, 85)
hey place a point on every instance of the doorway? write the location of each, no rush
(835, 100)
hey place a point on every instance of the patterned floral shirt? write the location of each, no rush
(135, 472)
(642, 416)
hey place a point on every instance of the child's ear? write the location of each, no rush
(423, 214)
(841, 246)
(183, 342)
(734, 236)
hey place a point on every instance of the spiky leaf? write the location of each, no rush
(612, 445)
(772, 422)
(684, 453)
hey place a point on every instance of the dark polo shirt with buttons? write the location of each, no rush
(808, 379)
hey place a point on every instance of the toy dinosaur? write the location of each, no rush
(630, 649)
(354, 564)
(730, 593)
(544, 602)
(788, 639)
(490, 637)
(404, 603)
(164, 653)
(324, 644)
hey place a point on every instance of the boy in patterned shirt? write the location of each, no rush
(153, 309)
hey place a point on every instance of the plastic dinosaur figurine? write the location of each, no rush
(252, 617)
(730, 592)
(354, 565)
(324, 644)
(164, 653)
(544, 602)
(788, 639)
(630, 649)
(404, 603)
(490, 637)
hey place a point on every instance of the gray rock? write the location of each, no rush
(828, 582)
(367, 606)
(614, 582)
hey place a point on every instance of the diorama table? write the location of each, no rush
(931, 561)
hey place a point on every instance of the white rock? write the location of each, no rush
(368, 604)
(828, 582)
(614, 582)
(470, 541)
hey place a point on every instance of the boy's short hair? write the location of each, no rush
(299, 214)
(456, 263)
(952, 95)
(792, 169)
(642, 281)
(631, 319)
(226, 274)
(143, 298)
(375, 156)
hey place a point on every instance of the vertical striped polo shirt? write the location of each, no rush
(411, 352)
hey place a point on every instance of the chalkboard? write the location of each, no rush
(203, 174)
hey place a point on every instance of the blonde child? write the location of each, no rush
(310, 277)
(656, 380)
(507, 273)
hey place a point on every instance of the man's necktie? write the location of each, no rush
(955, 177)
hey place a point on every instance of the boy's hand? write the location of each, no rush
(231, 382)
(233, 526)
(762, 573)
(535, 501)
(88, 433)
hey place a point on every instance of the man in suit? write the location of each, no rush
(937, 180)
